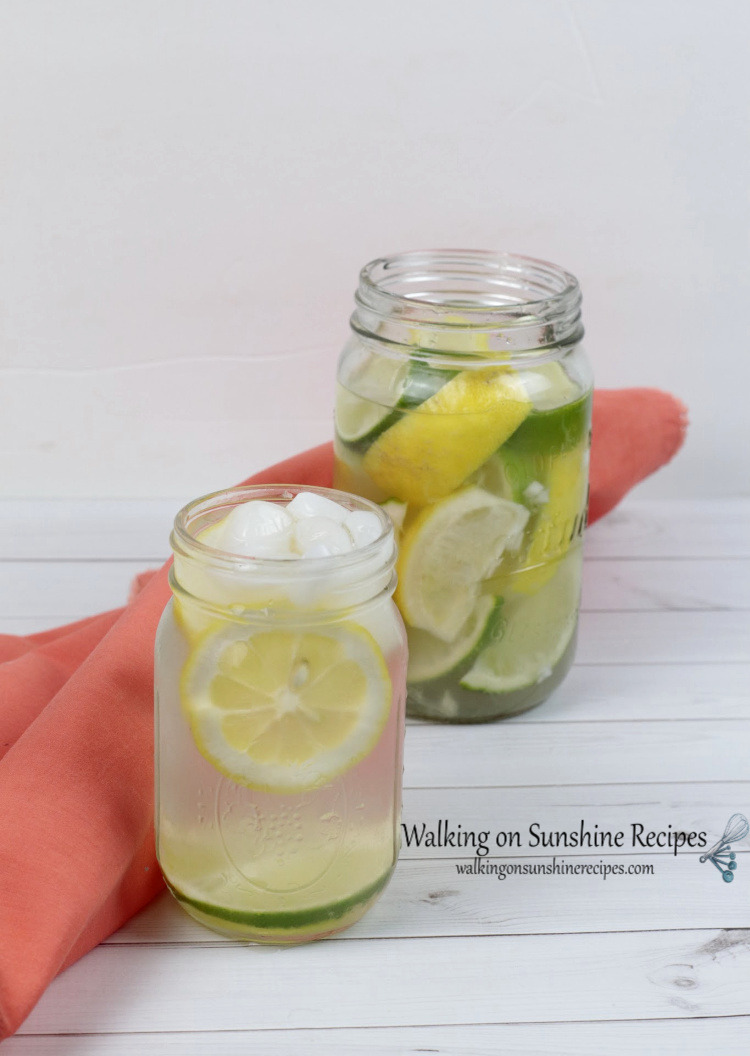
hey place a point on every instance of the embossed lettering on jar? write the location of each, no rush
(463, 408)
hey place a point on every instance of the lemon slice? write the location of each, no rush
(397, 512)
(446, 552)
(537, 629)
(427, 454)
(286, 710)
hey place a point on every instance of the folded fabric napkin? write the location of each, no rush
(76, 735)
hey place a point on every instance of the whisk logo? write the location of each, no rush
(720, 854)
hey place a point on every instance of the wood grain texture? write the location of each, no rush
(75, 588)
(483, 979)
(582, 753)
(429, 898)
(139, 529)
(690, 1037)
(651, 726)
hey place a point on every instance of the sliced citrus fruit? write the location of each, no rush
(548, 386)
(286, 710)
(431, 657)
(537, 630)
(446, 551)
(559, 521)
(427, 454)
(397, 512)
(377, 391)
(552, 431)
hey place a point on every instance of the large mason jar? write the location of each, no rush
(280, 688)
(463, 408)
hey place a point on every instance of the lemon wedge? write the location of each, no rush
(559, 522)
(446, 552)
(286, 710)
(430, 452)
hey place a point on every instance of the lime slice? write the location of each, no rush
(446, 552)
(551, 432)
(549, 386)
(422, 382)
(365, 404)
(286, 710)
(290, 924)
(427, 454)
(537, 630)
(377, 391)
(358, 420)
(431, 657)
(511, 476)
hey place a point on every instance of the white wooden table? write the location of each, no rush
(652, 726)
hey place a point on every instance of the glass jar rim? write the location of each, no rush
(190, 545)
(518, 303)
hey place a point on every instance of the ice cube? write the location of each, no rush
(312, 532)
(257, 529)
(308, 504)
(536, 494)
(363, 526)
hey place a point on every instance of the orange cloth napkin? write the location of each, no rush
(76, 735)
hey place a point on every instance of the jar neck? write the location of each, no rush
(468, 303)
(280, 589)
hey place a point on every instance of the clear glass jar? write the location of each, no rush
(463, 408)
(280, 689)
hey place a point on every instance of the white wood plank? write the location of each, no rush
(581, 753)
(673, 528)
(139, 529)
(689, 1037)
(661, 585)
(62, 592)
(606, 693)
(654, 691)
(392, 982)
(431, 898)
(663, 637)
(71, 589)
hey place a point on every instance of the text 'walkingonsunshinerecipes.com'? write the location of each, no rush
(481, 867)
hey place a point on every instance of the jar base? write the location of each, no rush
(283, 928)
(446, 701)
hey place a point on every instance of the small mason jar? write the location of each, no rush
(280, 689)
(463, 408)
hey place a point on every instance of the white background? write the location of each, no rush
(190, 186)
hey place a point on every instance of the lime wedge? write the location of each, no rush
(377, 391)
(549, 386)
(551, 432)
(537, 629)
(431, 657)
